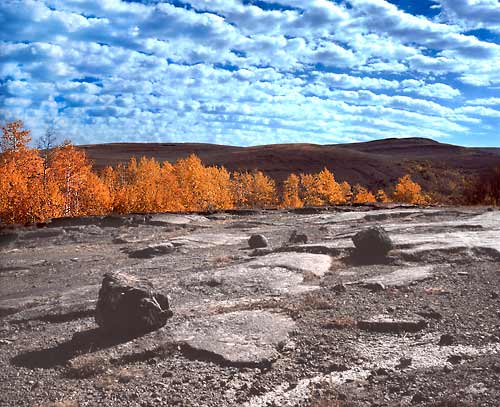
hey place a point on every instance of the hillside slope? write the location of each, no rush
(375, 164)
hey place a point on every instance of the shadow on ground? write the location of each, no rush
(81, 343)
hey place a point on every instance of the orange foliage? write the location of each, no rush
(408, 191)
(83, 192)
(253, 190)
(291, 190)
(382, 196)
(24, 196)
(34, 187)
(322, 189)
(202, 188)
(362, 195)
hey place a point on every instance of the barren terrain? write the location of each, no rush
(293, 324)
(375, 164)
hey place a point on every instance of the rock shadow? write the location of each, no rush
(360, 258)
(81, 343)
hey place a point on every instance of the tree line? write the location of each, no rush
(37, 184)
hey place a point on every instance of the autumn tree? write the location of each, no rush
(329, 189)
(382, 197)
(253, 190)
(362, 195)
(15, 139)
(346, 192)
(24, 197)
(203, 188)
(310, 191)
(291, 192)
(322, 189)
(83, 191)
(408, 191)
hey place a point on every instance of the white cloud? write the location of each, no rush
(224, 71)
(472, 14)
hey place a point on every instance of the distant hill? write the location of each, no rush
(376, 164)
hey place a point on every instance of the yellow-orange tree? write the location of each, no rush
(322, 189)
(82, 190)
(407, 191)
(382, 196)
(25, 195)
(253, 190)
(202, 188)
(362, 195)
(291, 192)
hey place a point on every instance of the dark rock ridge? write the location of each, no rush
(129, 306)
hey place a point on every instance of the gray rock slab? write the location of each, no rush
(277, 272)
(172, 219)
(236, 338)
(453, 240)
(401, 277)
(317, 264)
(207, 240)
(275, 280)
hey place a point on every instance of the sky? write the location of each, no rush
(252, 72)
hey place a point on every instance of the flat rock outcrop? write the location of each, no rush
(402, 277)
(291, 324)
(242, 338)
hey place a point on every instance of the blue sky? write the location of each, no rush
(249, 72)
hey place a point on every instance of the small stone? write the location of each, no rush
(257, 241)
(419, 398)
(446, 340)
(382, 372)
(455, 359)
(296, 238)
(339, 288)
(430, 313)
(494, 295)
(153, 251)
(376, 286)
(404, 363)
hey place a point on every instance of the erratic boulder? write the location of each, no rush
(372, 243)
(257, 241)
(129, 306)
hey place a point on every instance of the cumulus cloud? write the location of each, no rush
(472, 14)
(234, 72)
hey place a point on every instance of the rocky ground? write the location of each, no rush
(293, 324)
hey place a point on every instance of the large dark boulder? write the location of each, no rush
(372, 244)
(257, 241)
(129, 306)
